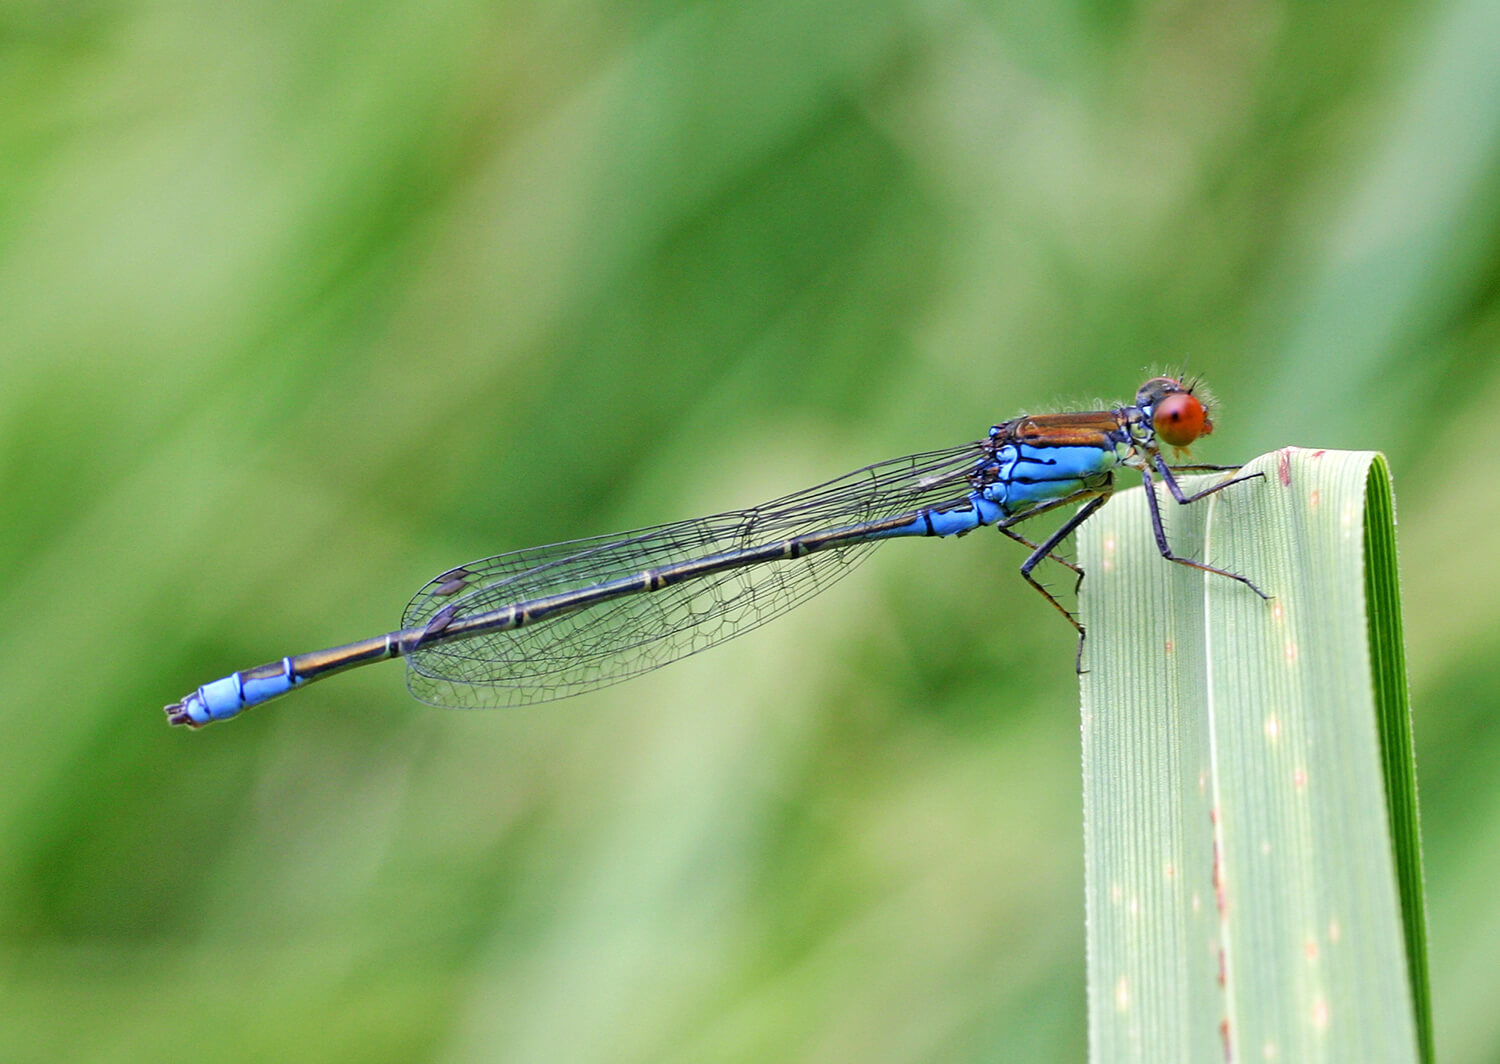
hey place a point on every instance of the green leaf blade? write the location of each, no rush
(1242, 891)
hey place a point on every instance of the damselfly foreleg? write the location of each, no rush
(1177, 493)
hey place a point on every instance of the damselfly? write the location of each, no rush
(551, 622)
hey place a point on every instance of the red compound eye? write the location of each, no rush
(1180, 419)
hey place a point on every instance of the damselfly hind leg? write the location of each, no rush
(1047, 549)
(1058, 558)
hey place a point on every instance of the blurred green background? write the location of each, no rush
(301, 304)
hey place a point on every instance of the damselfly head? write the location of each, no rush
(1178, 415)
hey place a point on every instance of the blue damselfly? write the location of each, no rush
(555, 621)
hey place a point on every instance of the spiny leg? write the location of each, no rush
(1058, 558)
(1176, 489)
(1045, 548)
(1197, 467)
(1023, 541)
(1161, 533)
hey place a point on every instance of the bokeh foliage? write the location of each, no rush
(303, 304)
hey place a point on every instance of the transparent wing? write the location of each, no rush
(624, 637)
